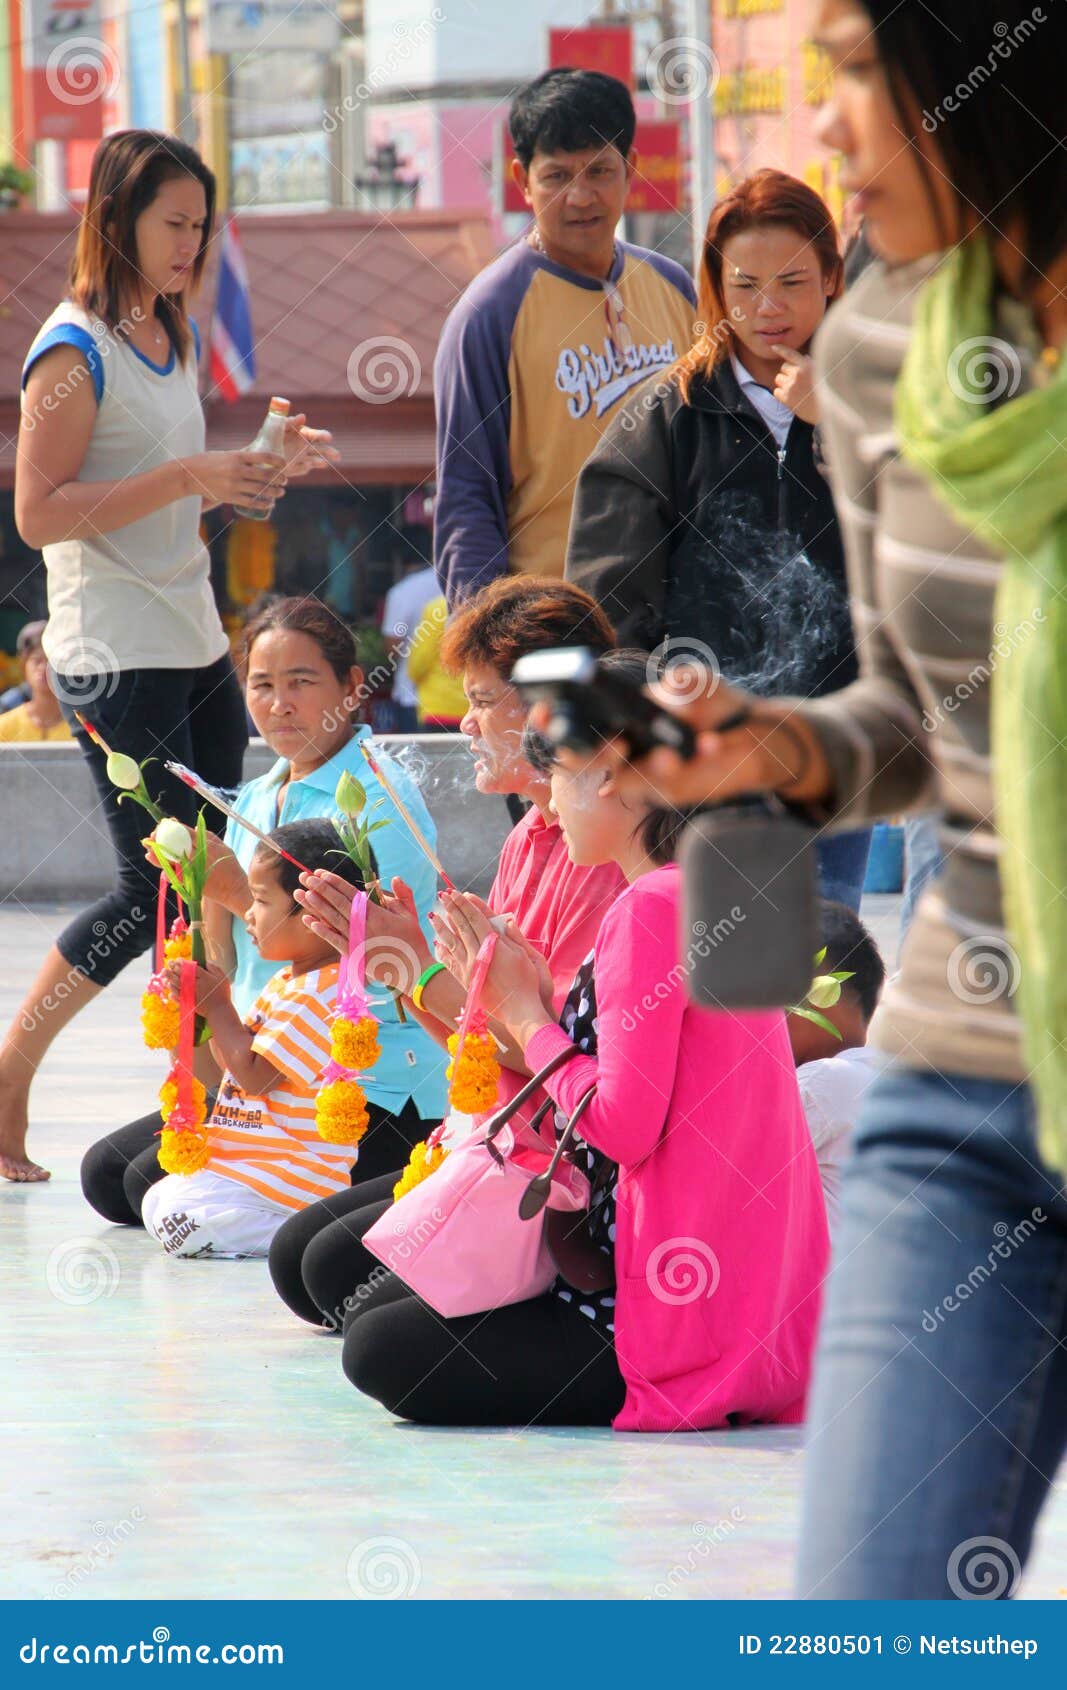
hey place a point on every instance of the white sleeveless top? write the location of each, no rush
(139, 597)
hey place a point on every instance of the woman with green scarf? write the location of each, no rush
(939, 1409)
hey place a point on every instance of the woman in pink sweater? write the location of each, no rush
(707, 1206)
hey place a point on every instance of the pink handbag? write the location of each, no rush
(457, 1239)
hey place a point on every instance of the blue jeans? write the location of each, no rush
(842, 865)
(939, 1407)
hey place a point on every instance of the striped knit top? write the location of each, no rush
(913, 732)
(271, 1144)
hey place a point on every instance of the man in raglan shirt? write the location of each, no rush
(543, 345)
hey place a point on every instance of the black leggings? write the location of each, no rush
(538, 1363)
(317, 1259)
(192, 716)
(117, 1170)
(541, 1362)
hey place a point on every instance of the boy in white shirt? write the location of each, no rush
(834, 1073)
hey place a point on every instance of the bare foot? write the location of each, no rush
(22, 1171)
(14, 1163)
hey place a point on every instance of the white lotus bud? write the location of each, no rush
(123, 771)
(175, 838)
(825, 991)
(349, 797)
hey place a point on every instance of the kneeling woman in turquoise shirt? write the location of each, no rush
(301, 690)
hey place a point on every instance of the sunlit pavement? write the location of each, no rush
(172, 1431)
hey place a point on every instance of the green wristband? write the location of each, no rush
(423, 981)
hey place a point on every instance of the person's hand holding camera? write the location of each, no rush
(771, 749)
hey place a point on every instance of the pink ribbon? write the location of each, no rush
(471, 1020)
(351, 980)
(183, 1115)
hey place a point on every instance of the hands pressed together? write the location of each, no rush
(519, 987)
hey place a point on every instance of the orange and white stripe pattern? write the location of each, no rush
(270, 1144)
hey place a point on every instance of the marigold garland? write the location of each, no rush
(160, 1016)
(168, 1099)
(422, 1163)
(184, 1152)
(183, 1149)
(474, 1088)
(355, 1044)
(178, 946)
(341, 1112)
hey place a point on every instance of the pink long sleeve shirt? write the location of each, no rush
(558, 906)
(721, 1236)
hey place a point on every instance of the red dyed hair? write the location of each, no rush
(770, 198)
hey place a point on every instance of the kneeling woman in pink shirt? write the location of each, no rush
(706, 1205)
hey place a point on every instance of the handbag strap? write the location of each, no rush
(502, 1118)
(539, 1189)
(534, 1125)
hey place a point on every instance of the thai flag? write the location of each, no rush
(233, 355)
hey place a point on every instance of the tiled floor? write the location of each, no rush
(169, 1428)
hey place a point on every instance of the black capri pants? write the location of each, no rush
(191, 716)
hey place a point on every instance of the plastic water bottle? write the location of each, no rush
(269, 439)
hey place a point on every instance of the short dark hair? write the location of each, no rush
(850, 945)
(569, 111)
(307, 616)
(520, 613)
(1004, 168)
(315, 843)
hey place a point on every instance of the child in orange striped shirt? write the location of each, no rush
(266, 1156)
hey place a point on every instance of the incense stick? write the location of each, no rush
(214, 797)
(417, 834)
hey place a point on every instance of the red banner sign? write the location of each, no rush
(69, 69)
(608, 48)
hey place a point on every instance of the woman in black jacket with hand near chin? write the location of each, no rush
(703, 522)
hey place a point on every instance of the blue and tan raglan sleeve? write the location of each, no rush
(472, 399)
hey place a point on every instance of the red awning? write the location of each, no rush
(344, 304)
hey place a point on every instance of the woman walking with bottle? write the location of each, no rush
(111, 482)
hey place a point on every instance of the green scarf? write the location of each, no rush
(1002, 472)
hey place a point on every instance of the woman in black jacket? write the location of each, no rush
(703, 522)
